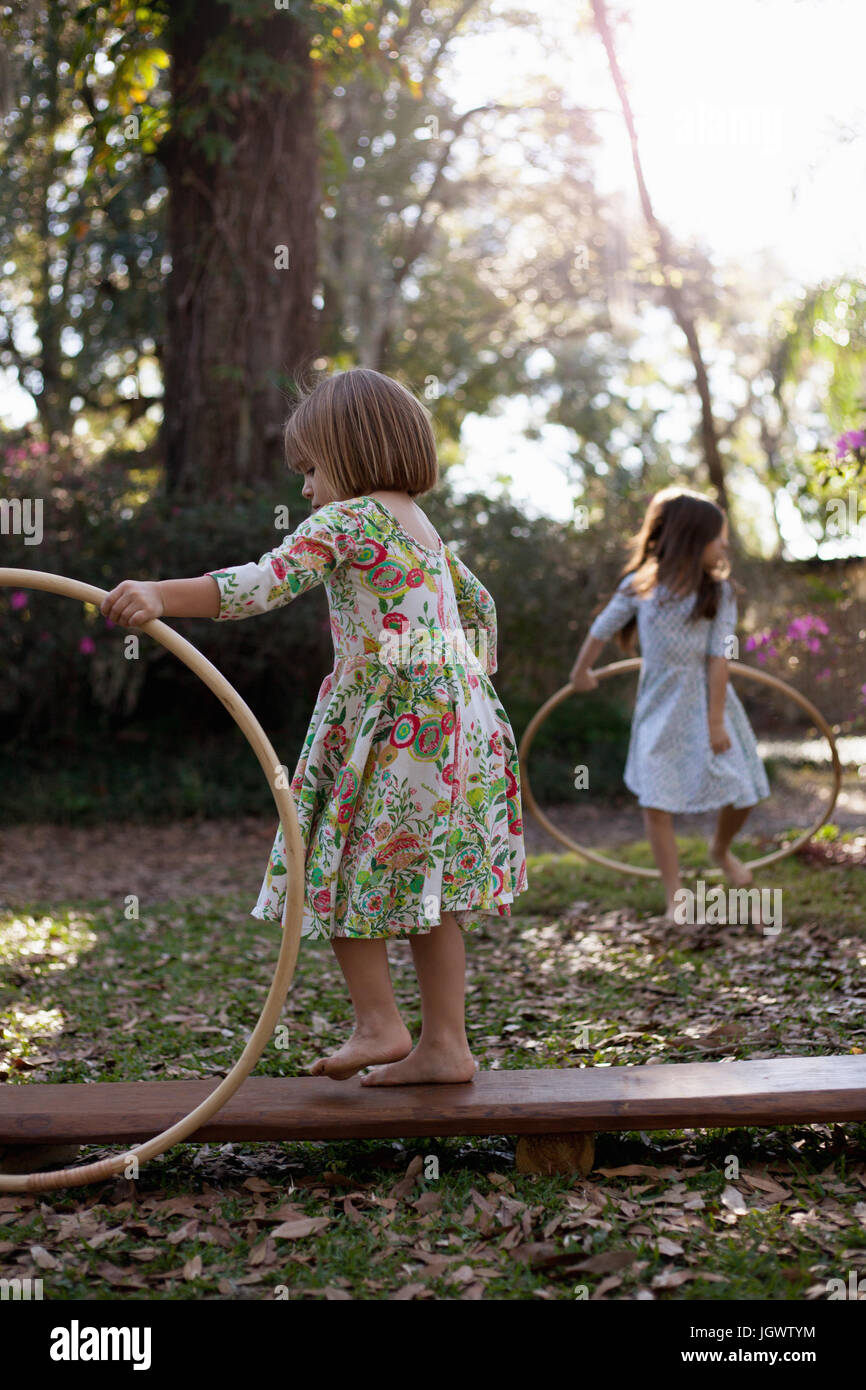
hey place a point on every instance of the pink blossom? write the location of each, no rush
(853, 439)
(18, 599)
(760, 639)
(800, 627)
(87, 645)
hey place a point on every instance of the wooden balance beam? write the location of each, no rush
(554, 1112)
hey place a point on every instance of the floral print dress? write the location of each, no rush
(407, 789)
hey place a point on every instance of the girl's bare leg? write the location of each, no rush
(442, 1052)
(380, 1034)
(731, 818)
(660, 833)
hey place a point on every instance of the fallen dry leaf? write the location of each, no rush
(428, 1201)
(41, 1257)
(295, 1230)
(258, 1185)
(265, 1253)
(668, 1247)
(610, 1259)
(612, 1281)
(672, 1278)
(185, 1232)
(407, 1182)
(733, 1200)
(407, 1292)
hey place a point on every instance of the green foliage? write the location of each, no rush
(69, 684)
(68, 687)
(81, 218)
(68, 673)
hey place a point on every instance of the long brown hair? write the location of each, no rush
(668, 550)
(363, 431)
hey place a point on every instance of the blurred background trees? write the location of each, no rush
(201, 205)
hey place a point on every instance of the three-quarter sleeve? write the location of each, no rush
(622, 607)
(309, 556)
(724, 624)
(477, 612)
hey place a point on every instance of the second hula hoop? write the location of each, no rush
(620, 668)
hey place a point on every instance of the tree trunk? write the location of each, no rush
(239, 324)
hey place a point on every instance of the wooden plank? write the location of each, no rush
(778, 1090)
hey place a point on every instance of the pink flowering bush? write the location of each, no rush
(794, 648)
(852, 445)
(842, 463)
(63, 665)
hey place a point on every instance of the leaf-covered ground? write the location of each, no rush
(581, 976)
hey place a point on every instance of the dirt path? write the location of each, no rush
(63, 864)
(799, 801)
(178, 860)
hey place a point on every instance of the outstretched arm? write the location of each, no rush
(134, 602)
(307, 557)
(616, 614)
(582, 676)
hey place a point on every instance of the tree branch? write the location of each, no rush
(673, 296)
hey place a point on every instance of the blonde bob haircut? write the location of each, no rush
(364, 432)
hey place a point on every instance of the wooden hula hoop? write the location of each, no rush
(618, 668)
(292, 912)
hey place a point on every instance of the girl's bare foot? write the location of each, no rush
(426, 1064)
(670, 917)
(739, 874)
(386, 1044)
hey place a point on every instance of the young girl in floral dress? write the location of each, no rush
(407, 788)
(691, 748)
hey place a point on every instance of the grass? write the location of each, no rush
(837, 901)
(737, 1214)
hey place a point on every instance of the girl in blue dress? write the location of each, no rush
(691, 748)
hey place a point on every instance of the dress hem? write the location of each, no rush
(466, 910)
(697, 810)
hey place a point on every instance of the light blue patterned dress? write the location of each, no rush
(670, 763)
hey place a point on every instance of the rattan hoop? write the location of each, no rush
(292, 914)
(619, 668)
